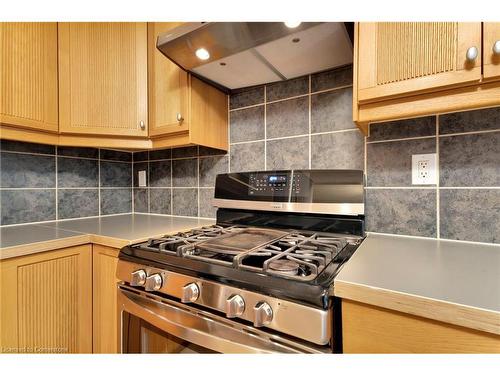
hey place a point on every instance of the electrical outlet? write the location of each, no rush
(142, 178)
(423, 169)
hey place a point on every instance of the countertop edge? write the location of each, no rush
(43, 246)
(439, 310)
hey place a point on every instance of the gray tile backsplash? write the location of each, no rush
(41, 183)
(302, 123)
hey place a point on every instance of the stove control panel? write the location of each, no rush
(266, 184)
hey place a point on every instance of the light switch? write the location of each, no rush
(142, 178)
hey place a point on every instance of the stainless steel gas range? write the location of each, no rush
(260, 280)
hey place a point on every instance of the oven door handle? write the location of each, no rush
(200, 328)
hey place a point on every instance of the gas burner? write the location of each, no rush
(284, 266)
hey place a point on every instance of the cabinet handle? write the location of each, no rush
(179, 117)
(471, 54)
(142, 125)
(496, 48)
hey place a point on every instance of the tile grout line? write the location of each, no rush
(438, 167)
(198, 180)
(290, 97)
(57, 185)
(99, 178)
(229, 134)
(171, 187)
(265, 127)
(309, 119)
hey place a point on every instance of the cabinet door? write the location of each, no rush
(491, 63)
(103, 78)
(105, 335)
(28, 75)
(168, 87)
(47, 302)
(404, 58)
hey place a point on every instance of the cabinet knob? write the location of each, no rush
(496, 47)
(142, 125)
(471, 54)
(179, 117)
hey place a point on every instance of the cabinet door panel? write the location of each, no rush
(103, 78)
(405, 58)
(491, 64)
(105, 335)
(28, 75)
(168, 87)
(47, 302)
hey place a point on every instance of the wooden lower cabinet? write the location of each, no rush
(105, 325)
(371, 329)
(46, 302)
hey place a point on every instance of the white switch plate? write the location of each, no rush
(423, 169)
(142, 178)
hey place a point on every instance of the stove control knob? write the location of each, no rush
(153, 282)
(263, 314)
(138, 278)
(235, 306)
(190, 293)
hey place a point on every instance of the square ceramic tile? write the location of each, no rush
(185, 172)
(390, 163)
(115, 174)
(247, 157)
(184, 202)
(72, 172)
(332, 111)
(210, 167)
(247, 124)
(289, 153)
(331, 79)
(27, 171)
(470, 214)
(74, 203)
(460, 122)
(415, 127)
(207, 208)
(160, 173)
(35, 148)
(401, 211)
(470, 160)
(141, 200)
(24, 206)
(160, 154)
(342, 150)
(287, 89)
(161, 201)
(246, 97)
(116, 201)
(287, 118)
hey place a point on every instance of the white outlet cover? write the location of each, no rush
(423, 169)
(142, 178)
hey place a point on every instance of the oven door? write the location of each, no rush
(152, 324)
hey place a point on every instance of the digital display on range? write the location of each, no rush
(276, 179)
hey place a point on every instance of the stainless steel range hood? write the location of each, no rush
(243, 54)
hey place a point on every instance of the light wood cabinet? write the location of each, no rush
(105, 325)
(28, 75)
(47, 302)
(404, 58)
(103, 78)
(183, 110)
(491, 64)
(371, 329)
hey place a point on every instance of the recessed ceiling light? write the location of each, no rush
(202, 54)
(292, 24)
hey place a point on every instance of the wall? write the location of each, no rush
(300, 123)
(41, 182)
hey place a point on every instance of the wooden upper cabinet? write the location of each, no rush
(405, 58)
(103, 78)
(168, 87)
(491, 50)
(183, 110)
(28, 75)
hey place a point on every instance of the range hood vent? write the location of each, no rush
(243, 54)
